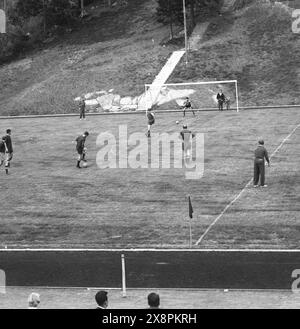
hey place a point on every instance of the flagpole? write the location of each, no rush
(191, 239)
(185, 32)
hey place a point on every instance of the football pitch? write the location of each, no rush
(46, 202)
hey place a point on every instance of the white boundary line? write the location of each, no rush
(158, 289)
(152, 250)
(237, 197)
(210, 109)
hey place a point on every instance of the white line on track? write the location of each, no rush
(242, 191)
(32, 249)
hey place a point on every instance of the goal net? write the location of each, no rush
(203, 95)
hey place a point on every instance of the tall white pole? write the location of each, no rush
(237, 97)
(3, 18)
(185, 33)
(191, 238)
(82, 8)
(123, 276)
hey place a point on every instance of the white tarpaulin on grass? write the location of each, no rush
(155, 88)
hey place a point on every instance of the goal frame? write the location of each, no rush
(148, 86)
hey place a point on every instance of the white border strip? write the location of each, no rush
(237, 197)
(151, 250)
(158, 289)
(151, 288)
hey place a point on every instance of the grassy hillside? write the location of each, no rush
(254, 45)
(116, 49)
(121, 49)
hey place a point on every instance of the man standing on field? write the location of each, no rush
(186, 135)
(80, 148)
(187, 105)
(221, 99)
(82, 108)
(6, 150)
(259, 164)
(151, 121)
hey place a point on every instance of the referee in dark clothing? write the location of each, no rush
(259, 164)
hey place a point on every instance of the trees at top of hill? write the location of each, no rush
(171, 11)
(30, 21)
(54, 11)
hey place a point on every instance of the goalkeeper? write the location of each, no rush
(221, 100)
(187, 105)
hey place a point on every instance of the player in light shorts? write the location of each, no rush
(186, 135)
(151, 121)
(6, 150)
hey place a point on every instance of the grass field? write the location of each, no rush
(47, 202)
(16, 298)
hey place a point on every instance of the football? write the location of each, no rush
(85, 164)
(177, 122)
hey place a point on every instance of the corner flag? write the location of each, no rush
(190, 208)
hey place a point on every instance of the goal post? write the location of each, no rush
(171, 96)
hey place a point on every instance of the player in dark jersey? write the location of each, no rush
(80, 148)
(186, 135)
(221, 99)
(259, 164)
(187, 105)
(151, 121)
(6, 150)
(82, 108)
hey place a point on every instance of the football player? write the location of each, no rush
(187, 105)
(80, 148)
(151, 121)
(6, 150)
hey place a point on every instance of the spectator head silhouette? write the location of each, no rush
(101, 299)
(153, 300)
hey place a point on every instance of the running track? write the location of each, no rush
(151, 268)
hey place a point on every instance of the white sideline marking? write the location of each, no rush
(66, 115)
(250, 181)
(149, 250)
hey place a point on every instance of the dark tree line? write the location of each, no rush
(55, 12)
(171, 11)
